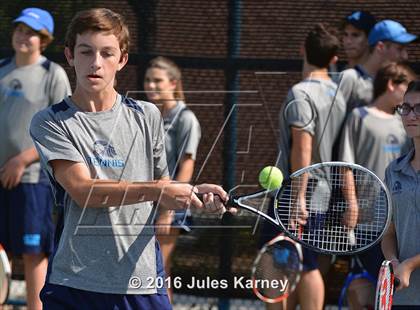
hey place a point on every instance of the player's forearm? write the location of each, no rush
(413, 262)
(185, 170)
(108, 193)
(300, 156)
(389, 244)
(29, 156)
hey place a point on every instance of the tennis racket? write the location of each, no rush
(276, 269)
(385, 287)
(5, 276)
(332, 207)
(364, 274)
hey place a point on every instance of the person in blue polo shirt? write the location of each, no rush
(29, 82)
(400, 243)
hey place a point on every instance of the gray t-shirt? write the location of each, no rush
(104, 249)
(373, 141)
(23, 92)
(356, 85)
(182, 135)
(403, 183)
(317, 107)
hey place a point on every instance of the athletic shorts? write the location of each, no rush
(57, 297)
(371, 260)
(25, 219)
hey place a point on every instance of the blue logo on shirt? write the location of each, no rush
(392, 145)
(396, 188)
(14, 89)
(105, 155)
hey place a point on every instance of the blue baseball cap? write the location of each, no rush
(37, 19)
(361, 20)
(390, 30)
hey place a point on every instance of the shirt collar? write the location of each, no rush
(403, 163)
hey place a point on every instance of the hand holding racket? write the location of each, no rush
(276, 269)
(385, 287)
(346, 207)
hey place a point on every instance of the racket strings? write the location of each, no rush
(323, 207)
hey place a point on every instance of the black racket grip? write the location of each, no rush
(397, 283)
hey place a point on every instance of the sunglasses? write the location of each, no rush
(406, 108)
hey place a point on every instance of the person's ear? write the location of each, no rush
(390, 86)
(69, 56)
(123, 61)
(334, 60)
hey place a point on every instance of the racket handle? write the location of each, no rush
(352, 237)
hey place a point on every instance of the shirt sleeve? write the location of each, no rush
(299, 111)
(188, 134)
(60, 85)
(51, 141)
(160, 168)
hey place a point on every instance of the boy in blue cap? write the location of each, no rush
(28, 83)
(387, 43)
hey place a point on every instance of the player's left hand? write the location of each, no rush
(403, 273)
(214, 198)
(11, 172)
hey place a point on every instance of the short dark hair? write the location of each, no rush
(398, 73)
(321, 45)
(97, 20)
(413, 86)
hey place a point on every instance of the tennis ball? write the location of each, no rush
(270, 178)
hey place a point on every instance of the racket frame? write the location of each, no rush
(5, 265)
(386, 267)
(335, 164)
(284, 296)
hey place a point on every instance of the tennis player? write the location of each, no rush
(163, 86)
(303, 140)
(388, 42)
(356, 28)
(373, 137)
(29, 82)
(105, 157)
(400, 243)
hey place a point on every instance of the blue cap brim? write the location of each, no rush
(405, 38)
(30, 22)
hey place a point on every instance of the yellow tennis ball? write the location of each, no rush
(270, 178)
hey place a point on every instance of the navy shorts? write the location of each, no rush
(26, 225)
(371, 260)
(58, 297)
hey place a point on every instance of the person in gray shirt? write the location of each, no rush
(400, 243)
(106, 161)
(373, 137)
(29, 82)
(310, 119)
(163, 86)
(388, 42)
